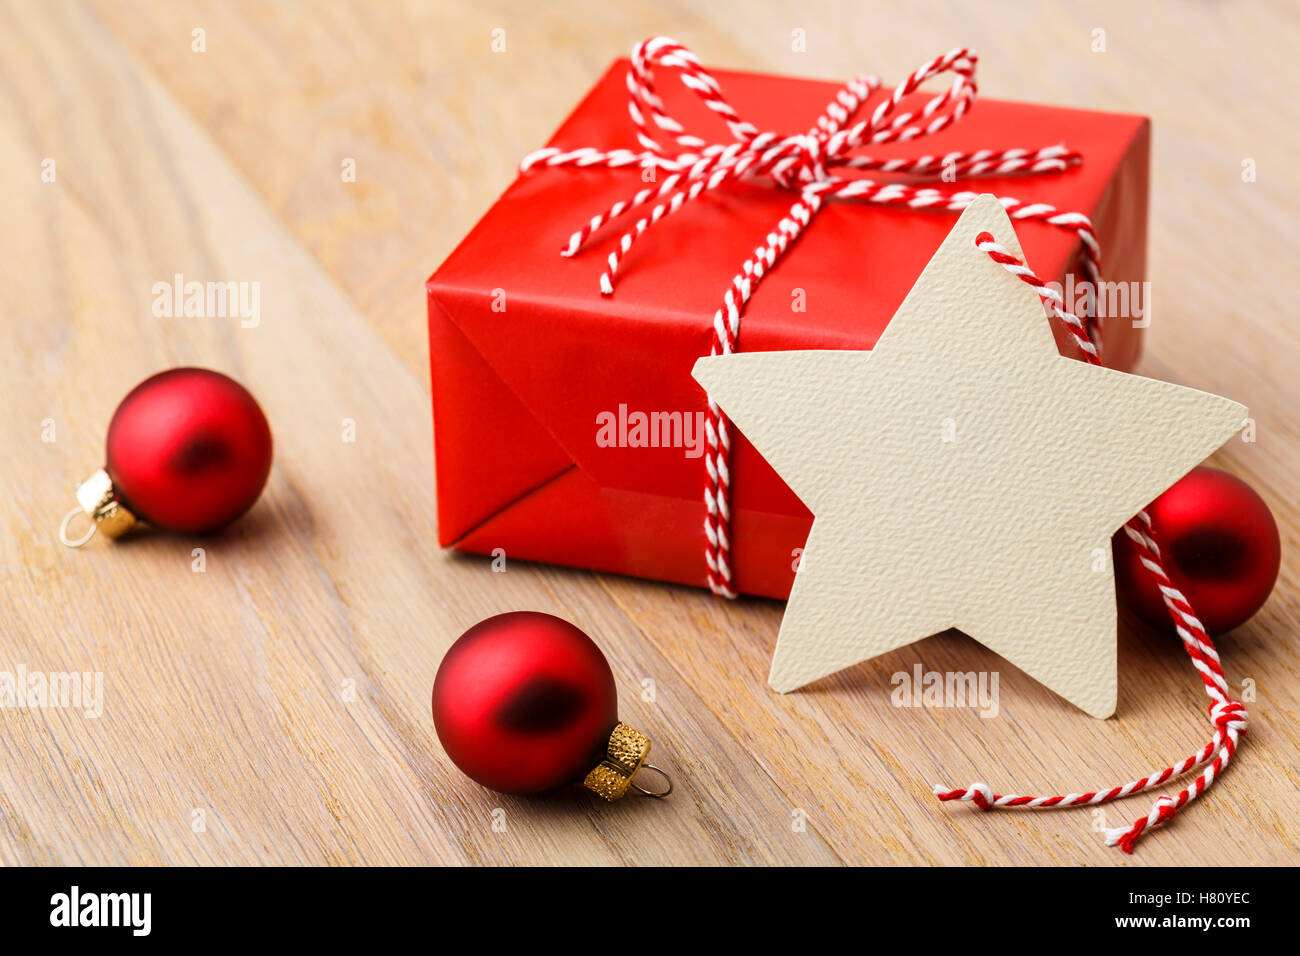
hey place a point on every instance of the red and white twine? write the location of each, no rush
(821, 164)
(1227, 713)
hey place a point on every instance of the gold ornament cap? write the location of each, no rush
(99, 502)
(625, 754)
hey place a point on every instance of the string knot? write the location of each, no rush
(1229, 716)
(807, 162)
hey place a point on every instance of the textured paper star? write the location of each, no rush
(963, 474)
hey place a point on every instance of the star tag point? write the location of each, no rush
(963, 474)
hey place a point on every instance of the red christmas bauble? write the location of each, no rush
(524, 703)
(189, 450)
(1220, 547)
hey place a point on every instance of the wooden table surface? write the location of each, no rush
(227, 734)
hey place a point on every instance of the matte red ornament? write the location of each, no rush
(1221, 549)
(525, 703)
(188, 450)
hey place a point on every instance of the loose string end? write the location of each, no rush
(1162, 811)
(980, 794)
(1124, 837)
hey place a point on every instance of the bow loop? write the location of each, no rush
(645, 106)
(790, 159)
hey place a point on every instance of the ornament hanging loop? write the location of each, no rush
(625, 754)
(663, 791)
(97, 499)
(76, 542)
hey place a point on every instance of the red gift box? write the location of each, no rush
(538, 378)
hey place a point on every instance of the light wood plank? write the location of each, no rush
(223, 687)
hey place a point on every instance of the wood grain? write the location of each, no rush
(224, 690)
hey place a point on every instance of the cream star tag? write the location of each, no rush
(963, 474)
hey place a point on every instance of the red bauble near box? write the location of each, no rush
(525, 703)
(1221, 550)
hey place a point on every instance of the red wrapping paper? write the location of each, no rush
(526, 353)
